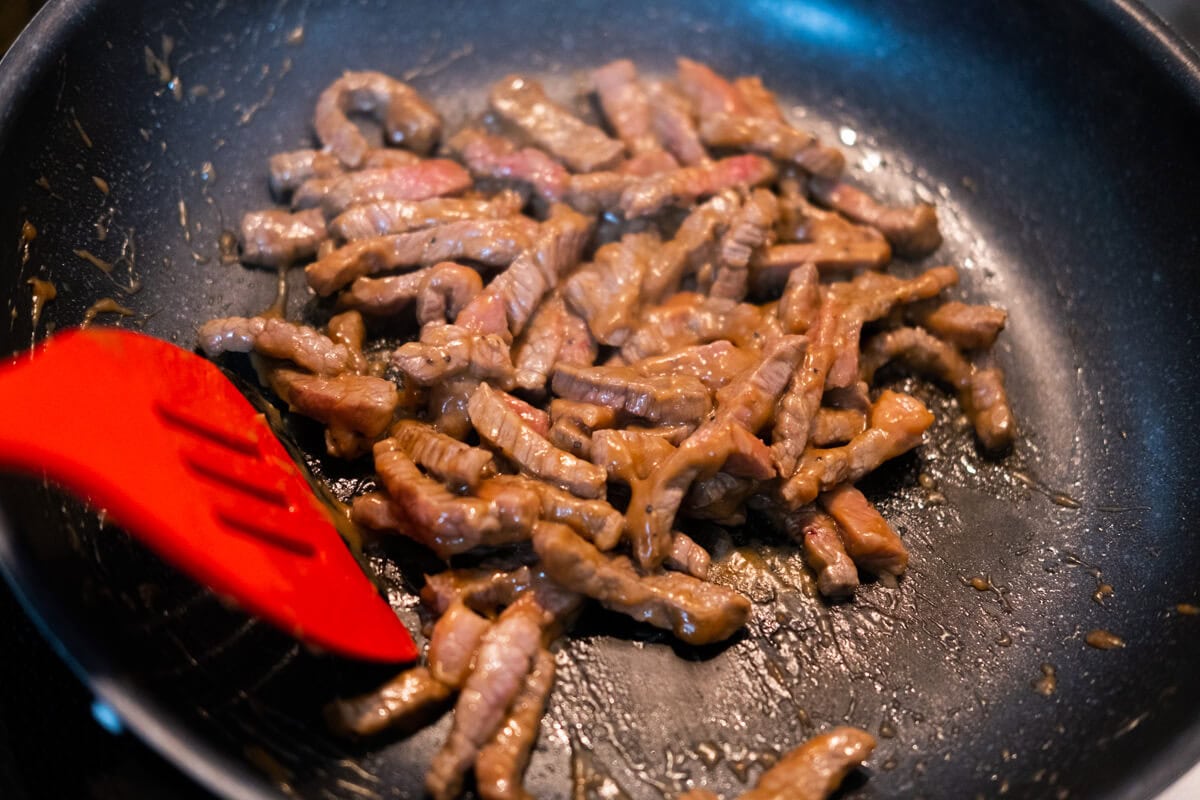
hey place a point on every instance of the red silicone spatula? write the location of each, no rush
(162, 441)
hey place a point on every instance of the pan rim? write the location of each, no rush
(35, 51)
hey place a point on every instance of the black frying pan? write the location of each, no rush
(1060, 141)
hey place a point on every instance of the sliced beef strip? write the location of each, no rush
(692, 243)
(980, 391)
(450, 460)
(659, 399)
(347, 403)
(420, 181)
(868, 538)
(594, 520)
(377, 512)
(627, 455)
(492, 242)
(697, 612)
(897, 424)
(582, 147)
(384, 217)
(504, 659)
(758, 99)
(482, 589)
(407, 118)
(686, 185)
(489, 156)
(452, 646)
(752, 227)
(349, 328)
(800, 302)
(626, 106)
(406, 703)
(967, 326)
(912, 230)
(771, 266)
(531, 415)
(277, 238)
(503, 428)
(772, 138)
(709, 92)
(650, 163)
(447, 407)
(446, 289)
(688, 556)
(305, 347)
(720, 498)
(386, 296)
(824, 550)
(291, 169)
(716, 364)
(501, 763)
(815, 769)
(606, 293)
(573, 424)
(448, 351)
(555, 333)
(675, 123)
(598, 192)
(836, 426)
(446, 523)
(689, 319)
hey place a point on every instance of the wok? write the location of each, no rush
(1059, 141)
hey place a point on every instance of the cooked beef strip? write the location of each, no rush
(406, 703)
(290, 170)
(815, 769)
(629, 456)
(752, 227)
(384, 297)
(720, 498)
(980, 391)
(626, 106)
(420, 181)
(867, 537)
(490, 156)
(447, 408)
(912, 230)
(446, 523)
(278, 238)
(607, 292)
(447, 351)
(456, 637)
(582, 147)
(689, 319)
(686, 185)
(349, 328)
(376, 511)
(772, 138)
(518, 289)
(492, 242)
(384, 217)
(531, 415)
(709, 92)
(692, 243)
(757, 98)
(800, 302)
(697, 612)
(448, 459)
(836, 426)
(500, 765)
(659, 398)
(675, 123)
(771, 266)
(698, 794)
(573, 424)
(595, 193)
(483, 589)
(715, 364)
(555, 334)
(594, 520)
(305, 347)
(504, 659)
(966, 326)
(824, 550)
(687, 556)
(897, 424)
(359, 404)
(446, 289)
(407, 118)
(650, 163)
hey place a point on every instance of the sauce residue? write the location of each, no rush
(105, 305)
(1048, 683)
(101, 184)
(87, 140)
(43, 292)
(95, 261)
(228, 247)
(1104, 640)
(28, 234)
(1103, 591)
(1187, 609)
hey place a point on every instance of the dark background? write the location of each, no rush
(50, 745)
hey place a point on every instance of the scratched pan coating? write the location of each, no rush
(1059, 143)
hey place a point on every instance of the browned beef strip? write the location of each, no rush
(305, 347)
(720, 498)
(771, 266)
(980, 392)
(628, 455)
(456, 637)
(598, 192)
(447, 408)
(626, 106)
(446, 458)
(659, 398)
(868, 538)
(752, 227)
(573, 424)
(384, 297)
(897, 424)
(483, 589)
(490, 156)
(358, 403)
(650, 163)
(800, 302)
(349, 328)
(815, 769)
(772, 138)
(709, 92)
(375, 510)
(406, 703)
(278, 238)
(836, 426)
(533, 454)
(686, 185)
(966, 326)
(606, 293)
(492, 242)
(582, 147)
(531, 415)
(518, 289)
(824, 550)
(695, 611)
(448, 351)
(291, 169)
(594, 520)
(446, 289)
(500, 766)
(687, 556)
(446, 523)
(693, 243)
(555, 333)
(407, 118)
(912, 230)
(420, 181)
(385, 217)
(674, 123)
(715, 364)
(757, 98)
(689, 319)
(503, 661)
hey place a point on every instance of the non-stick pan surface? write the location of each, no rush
(1060, 143)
